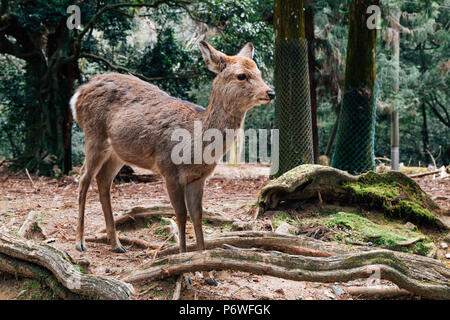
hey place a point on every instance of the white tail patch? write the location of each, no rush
(73, 102)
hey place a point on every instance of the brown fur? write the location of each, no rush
(127, 120)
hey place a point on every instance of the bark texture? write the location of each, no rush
(61, 267)
(423, 276)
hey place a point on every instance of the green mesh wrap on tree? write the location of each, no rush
(293, 106)
(355, 141)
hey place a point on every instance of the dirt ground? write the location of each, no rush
(227, 191)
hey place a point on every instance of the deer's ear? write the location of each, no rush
(247, 51)
(214, 59)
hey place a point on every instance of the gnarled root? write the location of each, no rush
(59, 264)
(420, 275)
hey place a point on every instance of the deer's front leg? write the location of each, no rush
(194, 195)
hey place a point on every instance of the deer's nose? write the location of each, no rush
(271, 94)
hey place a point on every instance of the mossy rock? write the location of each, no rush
(355, 228)
(397, 195)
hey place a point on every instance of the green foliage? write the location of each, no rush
(34, 290)
(12, 107)
(240, 22)
(167, 58)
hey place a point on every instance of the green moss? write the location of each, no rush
(161, 232)
(37, 291)
(79, 268)
(423, 247)
(396, 194)
(383, 233)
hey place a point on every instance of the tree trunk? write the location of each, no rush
(425, 135)
(354, 151)
(309, 31)
(292, 85)
(395, 147)
(333, 134)
(396, 45)
(395, 141)
(52, 83)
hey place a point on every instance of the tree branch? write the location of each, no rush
(24, 47)
(436, 100)
(139, 75)
(437, 114)
(97, 15)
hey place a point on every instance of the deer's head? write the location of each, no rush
(238, 82)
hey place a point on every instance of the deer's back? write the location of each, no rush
(135, 117)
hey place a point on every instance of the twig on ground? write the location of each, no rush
(178, 287)
(378, 291)
(30, 224)
(31, 180)
(424, 174)
(173, 228)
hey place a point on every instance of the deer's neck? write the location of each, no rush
(221, 116)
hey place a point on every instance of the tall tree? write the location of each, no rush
(293, 107)
(395, 133)
(309, 31)
(354, 149)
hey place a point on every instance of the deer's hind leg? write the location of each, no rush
(176, 195)
(194, 195)
(104, 180)
(96, 155)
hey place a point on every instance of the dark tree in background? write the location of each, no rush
(293, 106)
(354, 149)
(42, 39)
(310, 38)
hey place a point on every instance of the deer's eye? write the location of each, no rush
(241, 76)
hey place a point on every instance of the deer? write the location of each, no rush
(126, 120)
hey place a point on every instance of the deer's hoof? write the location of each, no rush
(81, 247)
(119, 249)
(211, 282)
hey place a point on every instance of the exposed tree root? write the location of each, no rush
(422, 276)
(25, 269)
(124, 240)
(137, 213)
(297, 245)
(62, 268)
